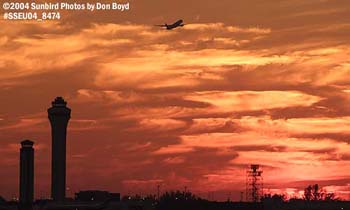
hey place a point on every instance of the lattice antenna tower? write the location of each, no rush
(254, 183)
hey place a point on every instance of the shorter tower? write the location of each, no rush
(254, 184)
(26, 187)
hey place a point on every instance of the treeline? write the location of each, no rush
(314, 198)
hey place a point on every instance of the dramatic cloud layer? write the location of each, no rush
(243, 82)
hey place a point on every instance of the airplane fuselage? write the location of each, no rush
(174, 25)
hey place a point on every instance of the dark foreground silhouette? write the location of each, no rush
(177, 200)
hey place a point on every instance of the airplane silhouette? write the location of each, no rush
(174, 25)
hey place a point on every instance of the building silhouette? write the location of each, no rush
(26, 188)
(96, 196)
(59, 115)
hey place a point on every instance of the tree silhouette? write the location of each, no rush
(315, 193)
(276, 198)
(308, 193)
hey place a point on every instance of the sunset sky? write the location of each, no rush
(244, 82)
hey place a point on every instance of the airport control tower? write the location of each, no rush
(26, 180)
(59, 115)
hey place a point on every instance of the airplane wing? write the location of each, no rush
(160, 25)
